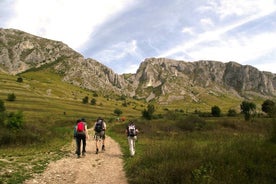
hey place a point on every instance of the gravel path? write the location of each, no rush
(103, 168)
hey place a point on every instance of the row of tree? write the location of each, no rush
(248, 109)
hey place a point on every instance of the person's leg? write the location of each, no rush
(96, 141)
(130, 143)
(83, 144)
(103, 140)
(76, 140)
(78, 145)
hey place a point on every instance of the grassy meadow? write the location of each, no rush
(196, 150)
(172, 148)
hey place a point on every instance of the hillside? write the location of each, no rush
(167, 82)
(43, 94)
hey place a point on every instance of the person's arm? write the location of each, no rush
(86, 131)
(126, 131)
(104, 126)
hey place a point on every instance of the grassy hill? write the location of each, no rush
(50, 109)
(174, 148)
(43, 94)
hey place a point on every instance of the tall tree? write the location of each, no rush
(269, 107)
(247, 108)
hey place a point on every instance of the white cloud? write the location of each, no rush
(237, 50)
(188, 30)
(118, 51)
(225, 8)
(206, 22)
(132, 68)
(266, 66)
(70, 21)
(225, 42)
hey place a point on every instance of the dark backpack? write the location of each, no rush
(80, 127)
(99, 126)
(131, 130)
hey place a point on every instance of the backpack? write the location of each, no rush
(131, 130)
(80, 127)
(99, 126)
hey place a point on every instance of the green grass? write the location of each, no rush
(220, 152)
(50, 109)
(213, 150)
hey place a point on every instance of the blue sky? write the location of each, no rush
(122, 33)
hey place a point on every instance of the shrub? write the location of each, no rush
(14, 120)
(191, 123)
(232, 112)
(93, 101)
(19, 79)
(269, 107)
(11, 97)
(118, 112)
(2, 106)
(148, 114)
(247, 108)
(85, 100)
(215, 111)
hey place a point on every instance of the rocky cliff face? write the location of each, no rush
(20, 51)
(161, 76)
(162, 79)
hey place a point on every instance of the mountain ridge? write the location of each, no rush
(161, 79)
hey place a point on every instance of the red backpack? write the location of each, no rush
(80, 127)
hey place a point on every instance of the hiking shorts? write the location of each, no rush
(99, 135)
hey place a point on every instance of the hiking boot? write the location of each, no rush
(83, 154)
(78, 156)
(103, 148)
(97, 151)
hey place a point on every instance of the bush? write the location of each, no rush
(11, 97)
(232, 112)
(148, 114)
(118, 112)
(85, 100)
(19, 79)
(14, 120)
(93, 101)
(215, 111)
(2, 106)
(191, 123)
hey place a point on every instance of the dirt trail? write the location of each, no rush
(103, 168)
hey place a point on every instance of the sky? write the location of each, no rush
(122, 33)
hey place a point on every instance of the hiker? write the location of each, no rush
(131, 132)
(81, 135)
(99, 128)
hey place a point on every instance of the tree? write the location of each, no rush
(19, 79)
(215, 111)
(232, 112)
(93, 101)
(247, 108)
(148, 114)
(268, 107)
(118, 112)
(15, 120)
(85, 100)
(2, 106)
(11, 97)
